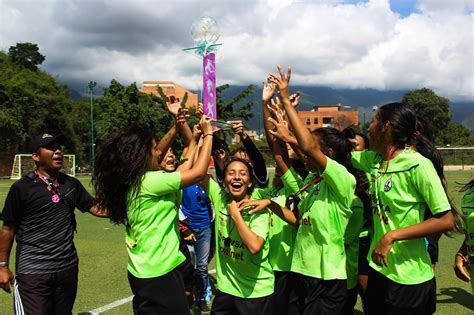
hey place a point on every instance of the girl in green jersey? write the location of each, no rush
(405, 183)
(244, 274)
(319, 260)
(130, 185)
(464, 259)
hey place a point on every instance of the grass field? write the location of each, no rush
(103, 260)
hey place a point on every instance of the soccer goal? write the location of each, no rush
(23, 163)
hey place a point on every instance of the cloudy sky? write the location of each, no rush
(377, 44)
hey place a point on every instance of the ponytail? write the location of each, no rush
(409, 130)
(426, 148)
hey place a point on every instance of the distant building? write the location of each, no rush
(173, 91)
(329, 116)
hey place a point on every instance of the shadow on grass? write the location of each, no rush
(456, 295)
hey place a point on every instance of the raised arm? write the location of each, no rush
(277, 129)
(306, 141)
(199, 169)
(255, 155)
(190, 150)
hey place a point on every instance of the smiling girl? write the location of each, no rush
(405, 184)
(244, 274)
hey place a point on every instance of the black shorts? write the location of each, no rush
(350, 302)
(385, 296)
(226, 304)
(50, 293)
(159, 295)
(316, 296)
(364, 247)
(283, 288)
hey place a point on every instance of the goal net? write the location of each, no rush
(23, 163)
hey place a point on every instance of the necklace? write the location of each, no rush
(51, 185)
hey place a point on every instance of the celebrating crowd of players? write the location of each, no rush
(338, 220)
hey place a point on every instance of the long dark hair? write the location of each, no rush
(334, 139)
(408, 130)
(120, 163)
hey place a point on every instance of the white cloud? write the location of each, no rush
(326, 42)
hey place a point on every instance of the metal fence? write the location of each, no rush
(458, 158)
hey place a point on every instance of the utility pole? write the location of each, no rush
(90, 89)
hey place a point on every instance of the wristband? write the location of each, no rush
(209, 134)
(4, 264)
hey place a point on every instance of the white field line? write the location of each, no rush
(117, 303)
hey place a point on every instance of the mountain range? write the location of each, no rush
(362, 100)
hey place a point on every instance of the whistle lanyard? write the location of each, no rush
(52, 186)
(293, 200)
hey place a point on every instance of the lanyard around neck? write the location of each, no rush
(51, 185)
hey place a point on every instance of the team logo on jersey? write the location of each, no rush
(388, 185)
(317, 188)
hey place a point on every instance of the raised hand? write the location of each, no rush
(206, 126)
(277, 106)
(268, 90)
(281, 130)
(200, 110)
(282, 82)
(182, 115)
(237, 127)
(197, 132)
(295, 99)
(173, 108)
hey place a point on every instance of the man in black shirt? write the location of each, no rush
(39, 211)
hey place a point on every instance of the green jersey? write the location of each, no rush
(467, 207)
(323, 214)
(351, 239)
(239, 273)
(281, 234)
(152, 233)
(401, 192)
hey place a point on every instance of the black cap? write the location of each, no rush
(41, 141)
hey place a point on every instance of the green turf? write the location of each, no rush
(103, 259)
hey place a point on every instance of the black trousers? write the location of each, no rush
(159, 295)
(48, 294)
(317, 296)
(385, 296)
(226, 304)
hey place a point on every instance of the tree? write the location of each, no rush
(26, 55)
(32, 103)
(456, 134)
(227, 109)
(432, 109)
